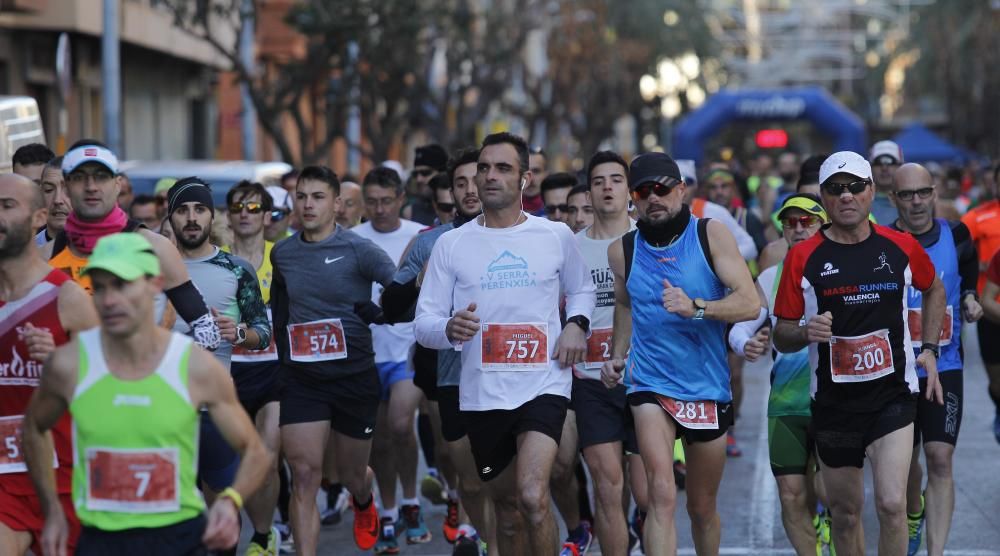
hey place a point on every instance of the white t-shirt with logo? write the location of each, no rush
(392, 342)
(514, 276)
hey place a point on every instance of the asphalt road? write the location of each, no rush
(748, 503)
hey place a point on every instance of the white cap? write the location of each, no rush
(847, 162)
(688, 171)
(395, 165)
(886, 148)
(90, 153)
(279, 197)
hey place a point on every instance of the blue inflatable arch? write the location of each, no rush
(805, 103)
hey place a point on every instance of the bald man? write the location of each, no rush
(351, 205)
(954, 257)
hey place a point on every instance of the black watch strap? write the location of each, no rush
(933, 348)
(581, 321)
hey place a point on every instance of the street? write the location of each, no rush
(748, 498)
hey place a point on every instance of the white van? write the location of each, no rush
(20, 125)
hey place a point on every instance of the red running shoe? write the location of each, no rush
(365, 525)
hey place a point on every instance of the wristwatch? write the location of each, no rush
(581, 321)
(241, 335)
(699, 308)
(933, 348)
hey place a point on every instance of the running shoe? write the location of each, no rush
(450, 525)
(732, 448)
(336, 504)
(432, 488)
(387, 538)
(680, 474)
(578, 541)
(366, 526)
(466, 545)
(416, 530)
(915, 525)
(273, 545)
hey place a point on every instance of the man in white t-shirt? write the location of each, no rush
(502, 274)
(394, 452)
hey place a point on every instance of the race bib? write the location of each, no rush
(692, 415)
(134, 481)
(913, 320)
(319, 340)
(515, 347)
(861, 358)
(598, 348)
(11, 454)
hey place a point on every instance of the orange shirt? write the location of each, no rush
(984, 225)
(69, 263)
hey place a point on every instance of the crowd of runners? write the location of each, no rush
(555, 346)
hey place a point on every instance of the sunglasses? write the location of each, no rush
(277, 215)
(423, 173)
(657, 188)
(837, 189)
(806, 221)
(446, 207)
(923, 193)
(551, 209)
(252, 208)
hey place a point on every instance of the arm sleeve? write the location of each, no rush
(968, 259)
(577, 285)
(279, 310)
(190, 305)
(790, 303)
(921, 267)
(251, 304)
(399, 301)
(741, 332)
(434, 304)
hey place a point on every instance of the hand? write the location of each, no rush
(927, 360)
(39, 341)
(464, 325)
(971, 309)
(611, 372)
(223, 529)
(572, 347)
(676, 301)
(55, 533)
(227, 326)
(757, 345)
(820, 328)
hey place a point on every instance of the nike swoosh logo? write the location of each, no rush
(329, 260)
(842, 164)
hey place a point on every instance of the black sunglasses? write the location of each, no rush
(923, 193)
(660, 189)
(837, 189)
(551, 209)
(446, 207)
(278, 215)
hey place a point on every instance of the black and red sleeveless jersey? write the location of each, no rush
(20, 375)
(869, 361)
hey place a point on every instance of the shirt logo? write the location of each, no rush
(507, 261)
(89, 152)
(131, 399)
(828, 269)
(19, 372)
(329, 260)
(507, 271)
(883, 263)
(487, 470)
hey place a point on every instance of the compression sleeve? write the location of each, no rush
(968, 259)
(741, 332)
(191, 307)
(399, 301)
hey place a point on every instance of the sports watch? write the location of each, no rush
(581, 321)
(933, 348)
(241, 335)
(699, 308)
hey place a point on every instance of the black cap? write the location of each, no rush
(649, 167)
(433, 156)
(187, 190)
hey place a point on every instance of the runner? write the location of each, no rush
(776, 250)
(506, 270)
(677, 378)
(230, 289)
(257, 373)
(133, 391)
(54, 189)
(847, 282)
(604, 422)
(581, 211)
(984, 225)
(30, 160)
(950, 248)
(39, 308)
(352, 205)
(93, 181)
(326, 350)
(885, 158)
(788, 415)
(394, 451)
(468, 525)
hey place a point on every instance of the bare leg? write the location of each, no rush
(260, 506)
(940, 495)
(845, 496)
(383, 458)
(14, 542)
(403, 403)
(890, 457)
(564, 484)
(706, 460)
(536, 452)
(796, 515)
(474, 495)
(304, 444)
(510, 526)
(656, 433)
(605, 463)
(914, 483)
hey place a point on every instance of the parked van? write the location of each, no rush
(20, 125)
(221, 175)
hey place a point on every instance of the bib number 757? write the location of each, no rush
(515, 347)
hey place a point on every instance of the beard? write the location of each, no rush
(18, 236)
(195, 243)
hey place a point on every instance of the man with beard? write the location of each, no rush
(92, 183)
(510, 271)
(56, 201)
(230, 287)
(39, 308)
(464, 523)
(670, 321)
